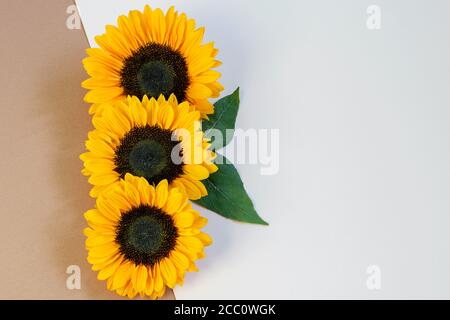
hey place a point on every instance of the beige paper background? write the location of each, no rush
(43, 125)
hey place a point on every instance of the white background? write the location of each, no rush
(364, 154)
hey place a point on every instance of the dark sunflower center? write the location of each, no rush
(146, 235)
(155, 78)
(147, 158)
(155, 69)
(147, 152)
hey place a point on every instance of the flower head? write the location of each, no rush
(142, 238)
(150, 53)
(155, 139)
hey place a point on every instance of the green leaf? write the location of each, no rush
(227, 195)
(224, 117)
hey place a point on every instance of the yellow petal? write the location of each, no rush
(168, 272)
(159, 283)
(100, 148)
(99, 240)
(119, 201)
(179, 185)
(197, 172)
(105, 250)
(183, 219)
(139, 278)
(95, 217)
(205, 238)
(200, 186)
(175, 201)
(192, 255)
(97, 265)
(108, 209)
(193, 192)
(108, 271)
(132, 194)
(102, 95)
(207, 76)
(200, 222)
(138, 113)
(193, 267)
(161, 193)
(104, 179)
(192, 243)
(150, 282)
(180, 261)
(166, 116)
(122, 275)
(100, 82)
(199, 91)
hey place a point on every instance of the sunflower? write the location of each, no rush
(155, 139)
(150, 53)
(142, 238)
